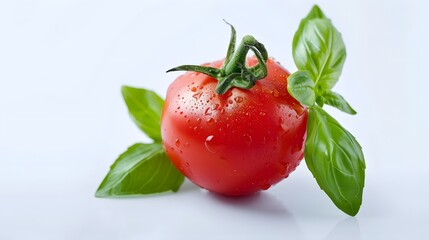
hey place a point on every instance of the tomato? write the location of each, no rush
(237, 143)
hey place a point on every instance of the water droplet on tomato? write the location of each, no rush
(247, 139)
(197, 95)
(299, 109)
(198, 120)
(216, 106)
(209, 144)
(222, 111)
(262, 113)
(296, 148)
(208, 112)
(177, 142)
(276, 93)
(238, 99)
(210, 121)
(193, 89)
(230, 101)
(284, 126)
(228, 94)
(283, 168)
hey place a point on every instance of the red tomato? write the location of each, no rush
(237, 143)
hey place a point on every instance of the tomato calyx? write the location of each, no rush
(234, 72)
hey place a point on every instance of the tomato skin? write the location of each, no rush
(237, 143)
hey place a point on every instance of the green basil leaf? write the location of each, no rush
(315, 12)
(336, 160)
(142, 169)
(319, 48)
(336, 100)
(301, 87)
(145, 108)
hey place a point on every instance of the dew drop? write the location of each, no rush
(295, 148)
(208, 112)
(238, 99)
(210, 121)
(283, 168)
(276, 93)
(247, 139)
(197, 95)
(198, 120)
(299, 109)
(193, 89)
(209, 144)
(177, 142)
(230, 101)
(216, 106)
(228, 94)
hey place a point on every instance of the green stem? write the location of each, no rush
(234, 72)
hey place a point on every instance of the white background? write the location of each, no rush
(63, 121)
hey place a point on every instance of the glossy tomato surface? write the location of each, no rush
(237, 143)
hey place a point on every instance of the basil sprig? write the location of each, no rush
(332, 154)
(143, 168)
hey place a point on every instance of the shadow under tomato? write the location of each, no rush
(260, 202)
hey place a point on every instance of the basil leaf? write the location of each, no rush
(336, 100)
(142, 169)
(301, 87)
(145, 108)
(319, 48)
(336, 160)
(315, 12)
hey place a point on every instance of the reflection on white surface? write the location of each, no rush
(346, 229)
(63, 121)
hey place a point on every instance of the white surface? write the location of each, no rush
(63, 122)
